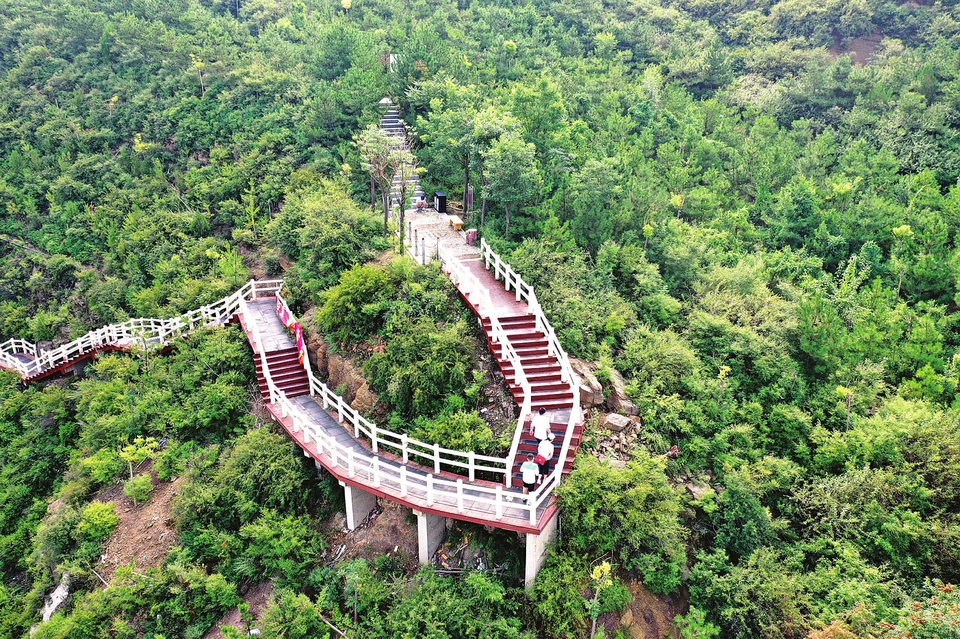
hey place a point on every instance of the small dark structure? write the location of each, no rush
(440, 201)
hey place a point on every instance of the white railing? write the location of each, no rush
(371, 470)
(405, 448)
(256, 341)
(134, 333)
(401, 444)
(511, 279)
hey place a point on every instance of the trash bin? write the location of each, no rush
(471, 237)
(440, 202)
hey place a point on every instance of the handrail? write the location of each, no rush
(402, 444)
(429, 485)
(257, 343)
(140, 332)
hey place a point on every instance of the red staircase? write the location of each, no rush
(541, 368)
(547, 389)
(286, 371)
(529, 445)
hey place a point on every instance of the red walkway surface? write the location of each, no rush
(504, 303)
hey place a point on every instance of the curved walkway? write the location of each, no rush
(320, 424)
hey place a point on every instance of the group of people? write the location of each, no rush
(536, 468)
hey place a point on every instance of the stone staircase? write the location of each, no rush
(392, 126)
(558, 425)
(286, 371)
(541, 368)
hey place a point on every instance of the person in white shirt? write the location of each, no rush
(545, 450)
(540, 425)
(528, 474)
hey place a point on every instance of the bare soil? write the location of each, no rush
(862, 49)
(388, 531)
(144, 534)
(647, 616)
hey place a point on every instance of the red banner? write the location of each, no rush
(301, 347)
(284, 313)
(286, 317)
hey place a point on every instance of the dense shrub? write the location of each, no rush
(631, 512)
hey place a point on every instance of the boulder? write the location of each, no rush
(365, 400)
(591, 391)
(616, 423)
(52, 603)
(321, 363)
(344, 378)
(617, 401)
(697, 489)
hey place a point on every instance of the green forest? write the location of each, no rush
(747, 210)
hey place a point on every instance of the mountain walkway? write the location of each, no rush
(369, 461)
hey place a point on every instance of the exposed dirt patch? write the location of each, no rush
(862, 49)
(387, 532)
(144, 534)
(257, 597)
(647, 616)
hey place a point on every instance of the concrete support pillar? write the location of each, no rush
(536, 549)
(359, 505)
(431, 530)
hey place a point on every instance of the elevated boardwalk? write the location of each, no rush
(371, 462)
(323, 435)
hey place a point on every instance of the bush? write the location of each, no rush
(557, 596)
(632, 513)
(355, 308)
(281, 549)
(97, 520)
(138, 488)
(103, 466)
(422, 366)
(458, 431)
(293, 616)
(262, 471)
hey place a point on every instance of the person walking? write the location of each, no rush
(528, 474)
(540, 425)
(544, 457)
